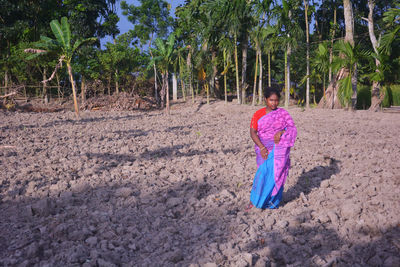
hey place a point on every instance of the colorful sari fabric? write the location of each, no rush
(271, 174)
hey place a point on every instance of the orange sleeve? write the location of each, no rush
(257, 115)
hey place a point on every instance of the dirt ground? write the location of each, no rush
(144, 189)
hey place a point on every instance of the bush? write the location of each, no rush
(363, 96)
(392, 95)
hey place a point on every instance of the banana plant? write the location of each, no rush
(163, 57)
(63, 47)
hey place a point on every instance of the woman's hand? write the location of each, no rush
(264, 152)
(277, 137)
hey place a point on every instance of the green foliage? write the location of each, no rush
(151, 19)
(350, 56)
(363, 96)
(392, 96)
(392, 37)
(321, 59)
(91, 17)
(119, 59)
(217, 25)
(163, 54)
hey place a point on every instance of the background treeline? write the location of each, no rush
(219, 48)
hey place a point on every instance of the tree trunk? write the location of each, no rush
(71, 78)
(109, 85)
(166, 93)
(207, 92)
(25, 95)
(317, 30)
(285, 74)
(287, 65)
(331, 48)
(244, 85)
(349, 37)
(324, 85)
(354, 86)
(213, 89)
(260, 79)
(189, 69)
(307, 56)
(237, 71)
(116, 82)
(45, 99)
(225, 73)
(162, 93)
(331, 100)
(6, 80)
(269, 68)
(58, 87)
(183, 86)
(376, 98)
(155, 73)
(253, 102)
(181, 76)
(83, 89)
(174, 87)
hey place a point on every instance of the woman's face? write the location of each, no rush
(272, 101)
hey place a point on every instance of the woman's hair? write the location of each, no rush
(272, 91)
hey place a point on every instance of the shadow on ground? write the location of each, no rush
(310, 180)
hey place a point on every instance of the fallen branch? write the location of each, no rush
(7, 95)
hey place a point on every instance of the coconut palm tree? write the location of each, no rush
(62, 46)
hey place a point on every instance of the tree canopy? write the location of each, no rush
(214, 41)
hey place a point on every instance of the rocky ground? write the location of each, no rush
(145, 189)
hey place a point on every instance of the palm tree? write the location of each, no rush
(185, 32)
(382, 49)
(391, 18)
(348, 59)
(271, 44)
(237, 16)
(321, 61)
(178, 62)
(263, 9)
(226, 45)
(306, 7)
(63, 47)
(290, 33)
(163, 57)
(341, 83)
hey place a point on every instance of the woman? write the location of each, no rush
(273, 132)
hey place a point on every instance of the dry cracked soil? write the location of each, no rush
(146, 189)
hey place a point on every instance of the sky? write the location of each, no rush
(124, 25)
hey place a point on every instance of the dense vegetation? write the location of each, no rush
(218, 48)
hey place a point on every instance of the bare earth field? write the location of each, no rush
(145, 189)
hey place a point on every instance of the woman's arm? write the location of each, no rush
(256, 140)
